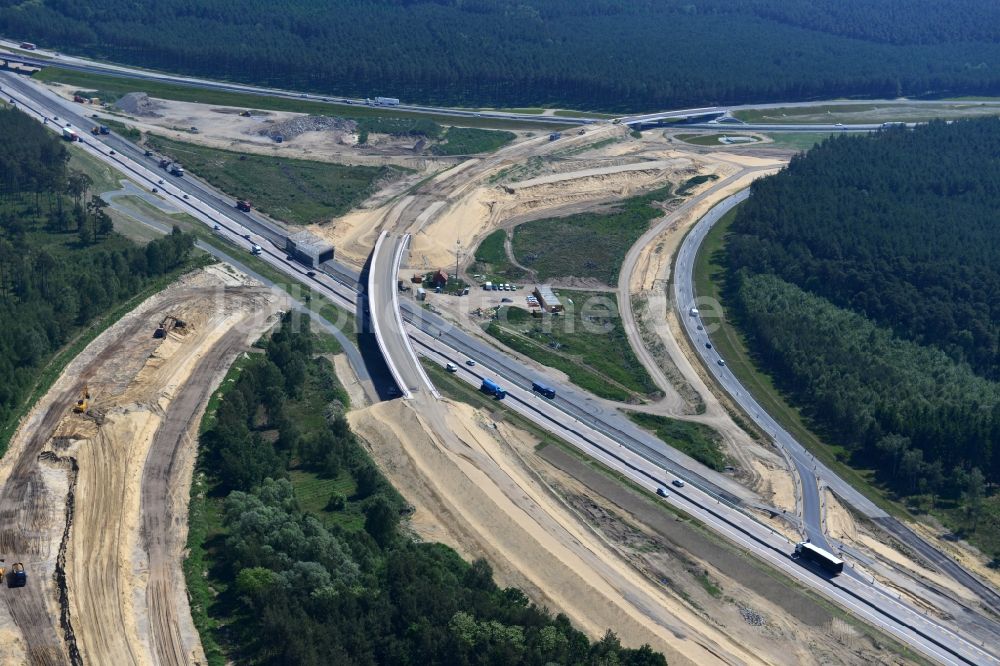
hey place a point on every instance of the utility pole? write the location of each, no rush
(458, 256)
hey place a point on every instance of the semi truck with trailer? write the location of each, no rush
(69, 134)
(492, 388)
(386, 101)
(822, 558)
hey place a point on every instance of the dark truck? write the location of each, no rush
(818, 556)
(547, 391)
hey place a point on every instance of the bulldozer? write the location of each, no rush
(81, 405)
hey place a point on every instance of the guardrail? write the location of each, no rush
(396, 261)
(373, 315)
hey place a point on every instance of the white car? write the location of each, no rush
(722, 362)
(451, 367)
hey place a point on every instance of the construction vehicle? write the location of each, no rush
(168, 324)
(81, 405)
(94, 130)
(243, 205)
(17, 576)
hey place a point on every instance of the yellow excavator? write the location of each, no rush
(81, 405)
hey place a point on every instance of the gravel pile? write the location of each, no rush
(752, 617)
(139, 104)
(291, 128)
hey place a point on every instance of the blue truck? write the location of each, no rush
(542, 389)
(492, 388)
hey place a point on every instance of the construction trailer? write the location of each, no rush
(547, 299)
(308, 248)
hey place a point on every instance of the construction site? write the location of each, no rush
(95, 485)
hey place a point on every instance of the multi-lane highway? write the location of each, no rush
(573, 415)
(45, 58)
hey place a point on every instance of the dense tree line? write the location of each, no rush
(866, 276)
(900, 227)
(61, 264)
(923, 421)
(611, 54)
(306, 591)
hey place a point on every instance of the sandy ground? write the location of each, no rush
(350, 380)
(223, 127)
(493, 504)
(489, 493)
(123, 599)
(842, 526)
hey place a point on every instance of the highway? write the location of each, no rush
(572, 415)
(47, 58)
(813, 473)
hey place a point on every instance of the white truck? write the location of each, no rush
(256, 249)
(386, 101)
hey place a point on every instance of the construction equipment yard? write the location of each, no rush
(95, 503)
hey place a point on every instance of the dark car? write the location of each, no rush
(708, 345)
(112, 153)
(661, 492)
(311, 273)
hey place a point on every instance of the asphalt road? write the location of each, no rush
(384, 314)
(813, 473)
(877, 605)
(574, 412)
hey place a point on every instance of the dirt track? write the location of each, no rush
(104, 585)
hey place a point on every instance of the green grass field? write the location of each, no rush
(711, 139)
(294, 191)
(868, 113)
(797, 140)
(121, 85)
(587, 342)
(695, 439)
(587, 245)
(471, 141)
(491, 260)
